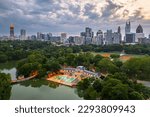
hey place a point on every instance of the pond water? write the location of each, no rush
(37, 89)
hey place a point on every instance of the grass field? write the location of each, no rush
(122, 58)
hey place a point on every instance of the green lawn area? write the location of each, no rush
(123, 58)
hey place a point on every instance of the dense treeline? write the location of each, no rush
(17, 50)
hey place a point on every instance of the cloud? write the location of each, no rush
(71, 15)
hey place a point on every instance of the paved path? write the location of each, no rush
(24, 79)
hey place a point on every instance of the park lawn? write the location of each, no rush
(122, 58)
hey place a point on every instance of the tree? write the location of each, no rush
(90, 94)
(83, 84)
(138, 68)
(113, 89)
(107, 66)
(120, 76)
(5, 86)
(52, 66)
(118, 63)
(135, 96)
(3, 58)
(97, 85)
(97, 58)
(114, 56)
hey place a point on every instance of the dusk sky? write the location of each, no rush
(72, 16)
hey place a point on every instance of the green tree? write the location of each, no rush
(135, 96)
(3, 58)
(114, 56)
(90, 94)
(113, 89)
(97, 85)
(5, 86)
(107, 66)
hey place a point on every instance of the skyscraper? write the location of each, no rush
(108, 37)
(139, 36)
(99, 38)
(129, 37)
(12, 31)
(127, 28)
(63, 37)
(88, 36)
(139, 29)
(39, 35)
(119, 29)
(23, 34)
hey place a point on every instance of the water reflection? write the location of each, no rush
(9, 68)
(37, 83)
(5, 93)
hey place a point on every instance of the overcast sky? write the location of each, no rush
(72, 16)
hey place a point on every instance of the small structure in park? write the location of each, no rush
(82, 71)
(71, 76)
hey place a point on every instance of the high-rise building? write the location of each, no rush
(139, 34)
(88, 35)
(98, 40)
(39, 35)
(12, 31)
(33, 37)
(78, 40)
(139, 29)
(23, 34)
(108, 37)
(130, 38)
(49, 35)
(116, 38)
(127, 27)
(63, 37)
(119, 30)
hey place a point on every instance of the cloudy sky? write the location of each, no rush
(72, 16)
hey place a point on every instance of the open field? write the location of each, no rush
(122, 58)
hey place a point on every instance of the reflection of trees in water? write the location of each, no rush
(38, 83)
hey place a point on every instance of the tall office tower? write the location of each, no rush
(130, 38)
(119, 29)
(49, 35)
(12, 31)
(82, 34)
(88, 35)
(39, 35)
(23, 34)
(127, 28)
(33, 37)
(109, 37)
(117, 38)
(78, 40)
(99, 38)
(139, 34)
(63, 37)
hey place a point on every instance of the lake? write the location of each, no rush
(37, 89)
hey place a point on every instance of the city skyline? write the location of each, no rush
(71, 16)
